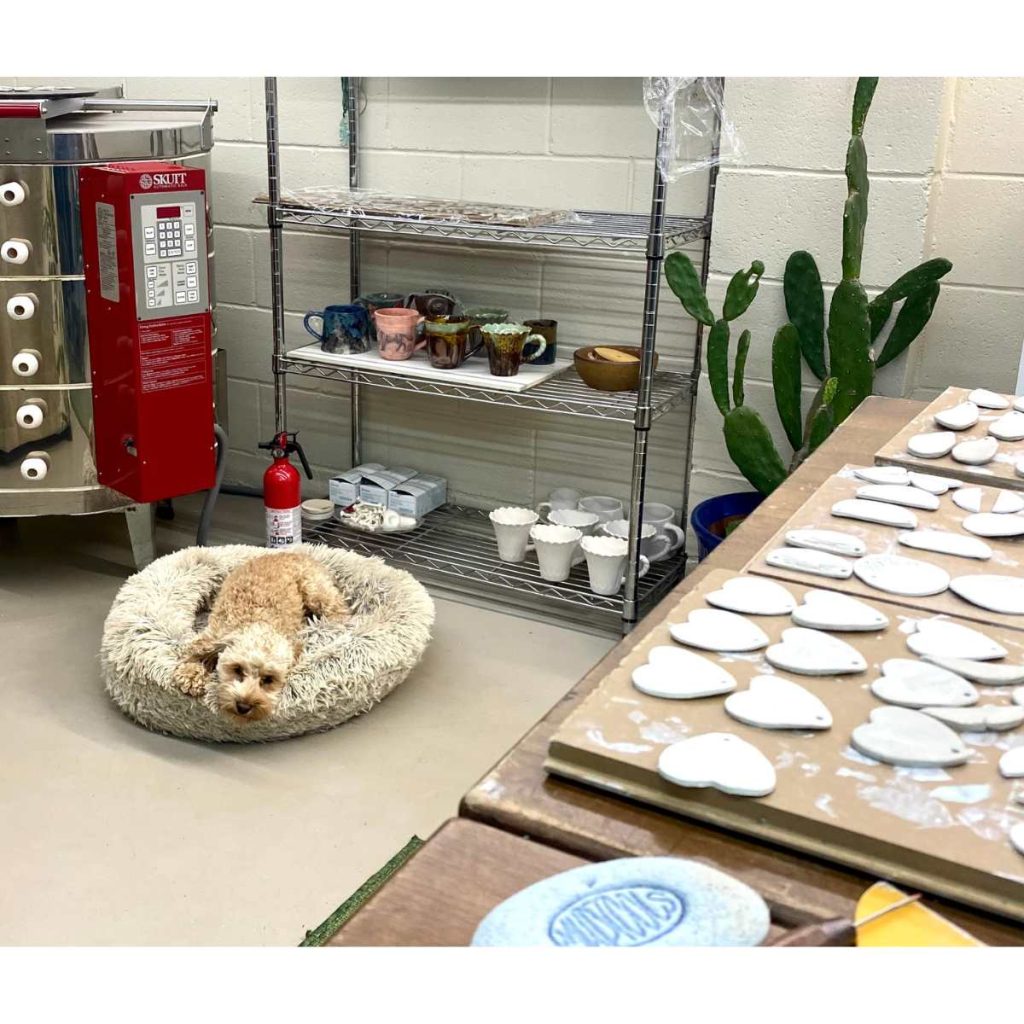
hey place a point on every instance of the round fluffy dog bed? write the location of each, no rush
(343, 670)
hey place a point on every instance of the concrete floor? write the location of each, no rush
(110, 834)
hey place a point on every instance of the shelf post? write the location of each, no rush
(642, 418)
(276, 255)
(354, 254)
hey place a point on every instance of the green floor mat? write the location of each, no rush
(319, 935)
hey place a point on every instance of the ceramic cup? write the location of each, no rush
(478, 315)
(556, 548)
(606, 509)
(662, 518)
(379, 300)
(505, 344)
(606, 563)
(343, 329)
(448, 344)
(548, 329)
(431, 304)
(512, 530)
(396, 332)
(653, 545)
(585, 522)
(560, 497)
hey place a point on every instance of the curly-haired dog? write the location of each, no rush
(252, 639)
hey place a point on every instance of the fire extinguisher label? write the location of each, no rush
(284, 527)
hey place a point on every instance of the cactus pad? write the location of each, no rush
(786, 381)
(684, 280)
(805, 306)
(752, 449)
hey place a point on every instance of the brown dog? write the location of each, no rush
(253, 637)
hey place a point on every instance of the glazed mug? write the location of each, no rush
(480, 315)
(560, 497)
(653, 545)
(606, 563)
(662, 518)
(396, 333)
(431, 304)
(448, 342)
(343, 329)
(606, 509)
(512, 531)
(505, 344)
(556, 550)
(379, 300)
(549, 330)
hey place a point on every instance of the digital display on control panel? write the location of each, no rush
(172, 275)
(168, 211)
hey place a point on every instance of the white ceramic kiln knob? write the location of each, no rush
(21, 307)
(12, 193)
(15, 250)
(26, 362)
(31, 414)
(35, 467)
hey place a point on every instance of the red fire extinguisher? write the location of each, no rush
(282, 491)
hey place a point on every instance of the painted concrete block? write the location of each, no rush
(234, 120)
(558, 182)
(600, 117)
(234, 271)
(246, 430)
(413, 174)
(687, 196)
(245, 333)
(985, 131)
(322, 421)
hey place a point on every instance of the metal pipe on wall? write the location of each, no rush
(354, 254)
(276, 254)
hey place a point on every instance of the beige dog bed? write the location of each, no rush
(343, 670)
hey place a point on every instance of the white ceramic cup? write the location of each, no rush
(556, 549)
(512, 531)
(585, 522)
(662, 518)
(561, 497)
(602, 506)
(655, 546)
(606, 563)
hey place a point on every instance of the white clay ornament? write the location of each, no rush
(947, 639)
(959, 417)
(1007, 503)
(1004, 594)
(933, 445)
(772, 702)
(818, 563)
(712, 630)
(974, 499)
(969, 499)
(910, 497)
(981, 718)
(945, 543)
(1011, 764)
(917, 684)
(933, 484)
(750, 595)
(810, 652)
(976, 453)
(719, 760)
(988, 399)
(831, 541)
(988, 673)
(882, 474)
(989, 524)
(900, 736)
(827, 609)
(909, 577)
(679, 674)
(875, 512)
(1009, 427)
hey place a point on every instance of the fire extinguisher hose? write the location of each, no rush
(211, 495)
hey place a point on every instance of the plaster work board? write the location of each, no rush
(1007, 553)
(999, 472)
(941, 830)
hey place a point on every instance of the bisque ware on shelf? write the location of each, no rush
(772, 702)
(813, 653)
(720, 760)
(1009, 427)
(900, 736)
(828, 609)
(916, 684)
(750, 595)
(713, 630)
(678, 674)
(947, 639)
(606, 563)
(933, 445)
(959, 417)
(988, 399)
(976, 453)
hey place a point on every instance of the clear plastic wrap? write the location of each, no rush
(688, 111)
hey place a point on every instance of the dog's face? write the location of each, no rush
(251, 672)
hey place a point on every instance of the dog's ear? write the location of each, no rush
(207, 649)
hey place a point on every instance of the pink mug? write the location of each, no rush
(397, 332)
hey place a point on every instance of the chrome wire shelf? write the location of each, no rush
(565, 394)
(613, 232)
(456, 543)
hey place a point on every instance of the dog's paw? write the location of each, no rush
(191, 679)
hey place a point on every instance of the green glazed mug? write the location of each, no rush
(448, 342)
(505, 344)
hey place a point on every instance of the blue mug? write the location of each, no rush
(344, 329)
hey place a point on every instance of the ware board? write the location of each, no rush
(941, 830)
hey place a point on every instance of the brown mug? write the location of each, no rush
(431, 304)
(505, 344)
(397, 332)
(548, 328)
(448, 342)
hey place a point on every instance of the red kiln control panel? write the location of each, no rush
(148, 302)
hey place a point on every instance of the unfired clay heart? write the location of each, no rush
(898, 575)
(714, 630)
(882, 474)
(959, 417)
(949, 639)
(989, 524)
(776, 703)
(988, 399)
(720, 760)
(933, 484)
(976, 453)
(933, 445)
(988, 673)
(875, 512)
(819, 563)
(903, 737)
(750, 595)
(982, 718)
(826, 609)
(832, 541)
(918, 684)
(1009, 427)
(910, 497)
(945, 543)
(809, 652)
(1003, 594)
(681, 675)
(969, 499)
(1011, 764)
(1008, 502)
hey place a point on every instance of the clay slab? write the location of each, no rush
(917, 684)
(683, 676)
(976, 453)
(832, 541)
(910, 497)
(996, 593)
(982, 718)
(882, 474)
(898, 575)
(990, 524)
(988, 399)
(813, 653)
(751, 595)
(818, 563)
(775, 703)
(828, 609)
(929, 481)
(959, 417)
(945, 543)
(949, 639)
(1007, 502)
(989, 673)
(714, 630)
(720, 760)
(969, 499)
(875, 512)
(903, 737)
(1009, 427)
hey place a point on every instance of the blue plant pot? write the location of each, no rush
(712, 516)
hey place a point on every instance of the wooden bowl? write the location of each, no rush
(604, 375)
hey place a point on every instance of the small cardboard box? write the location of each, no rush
(380, 483)
(345, 487)
(418, 496)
